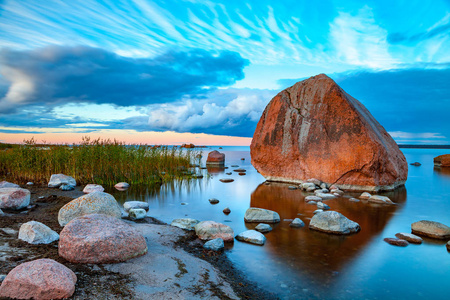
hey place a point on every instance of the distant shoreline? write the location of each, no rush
(425, 146)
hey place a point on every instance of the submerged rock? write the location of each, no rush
(215, 245)
(380, 199)
(58, 179)
(185, 223)
(314, 129)
(90, 188)
(411, 238)
(39, 279)
(431, 229)
(253, 215)
(93, 203)
(14, 198)
(215, 158)
(263, 228)
(297, 223)
(333, 222)
(396, 242)
(209, 230)
(252, 237)
(99, 238)
(135, 204)
(37, 233)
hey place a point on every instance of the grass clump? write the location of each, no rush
(97, 161)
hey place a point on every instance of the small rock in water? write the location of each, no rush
(308, 185)
(312, 198)
(240, 170)
(137, 213)
(226, 210)
(209, 230)
(412, 238)
(291, 187)
(417, 164)
(185, 223)
(234, 166)
(242, 173)
(56, 180)
(90, 188)
(380, 199)
(297, 223)
(30, 183)
(396, 242)
(215, 244)
(37, 233)
(448, 246)
(259, 215)
(261, 227)
(333, 222)
(323, 185)
(226, 180)
(315, 181)
(318, 211)
(365, 196)
(228, 173)
(242, 158)
(66, 187)
(313, 202)
(252, 237)
(183, 203)
(213, 201)
(324, 191)
(323, 206)
(122, 186)
(431, 229)
(353, 200)
(135, 204)
(325, 196)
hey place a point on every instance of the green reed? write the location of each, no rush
(97, 161)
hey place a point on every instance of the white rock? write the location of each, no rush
(307, 185)
(380, 199)
(318, 211)
(215, 244)
(135, 204)
(37, 233)
(6, 184)
(297, 223)
(30, 183)
(58, 179)
(324, 196)
(333, 222)
(252, 237)
(137, 213)
(90, 188)
(185, 223)
(261, 227)
(312, 198)
(261, 215)
(365, 196)
(323, 206)
(14, 198)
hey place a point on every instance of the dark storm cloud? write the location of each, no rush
(55, 75)
(405, 100)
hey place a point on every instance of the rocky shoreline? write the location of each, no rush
(176, 265)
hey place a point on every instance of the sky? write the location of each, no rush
(202, 72)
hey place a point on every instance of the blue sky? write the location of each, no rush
(210, 67)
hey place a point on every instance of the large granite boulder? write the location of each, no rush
(56, 180)
(93, 203)
(442, 160)
(333, 222)
(37, 233)
(14, 198)
(260, 215)
(209, 230)
(314, 129)
(39, 279)
(215, 158)
(99, 238)
(431, 229)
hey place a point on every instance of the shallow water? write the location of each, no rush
(297, 263)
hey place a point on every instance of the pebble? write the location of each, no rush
(412, 238)
(297, 223)
(226, 210)
(228, 173)
(213, 201)
(396, 242)
(226, 180)
(242, 173)
(261, 227)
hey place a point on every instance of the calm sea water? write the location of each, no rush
(300, 263)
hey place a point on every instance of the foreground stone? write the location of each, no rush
(442, 160)
(39, 279)
(58, 179)
(37, 233)
(431, 229)
(396, 242)
(209, 230)
(297, 223)
(252, 237)
(333, 222)
(99, 238)
(260, 215)
(314, 129)
(90, 188)
(215, 245)
(263, 228)
(409, 237)
(135, 204)
(215, 158)
(185, 223)
(93, 203)
(137, 213)
(14, 198)
(6, 184)
(380, 199)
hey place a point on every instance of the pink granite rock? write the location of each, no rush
(14, 198)
(209, 230)
(91, 188)
(99, 238)
(215, 158)
(39, 279)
